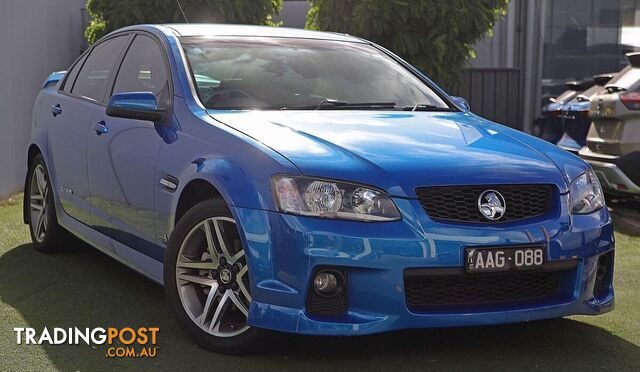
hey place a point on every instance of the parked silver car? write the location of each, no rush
(575, 116)
(613, 140)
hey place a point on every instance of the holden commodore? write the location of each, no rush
(311, 183)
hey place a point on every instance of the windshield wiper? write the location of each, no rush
(426, 107)
(330, 102)
(336, 105)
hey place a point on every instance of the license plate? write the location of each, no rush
(482, 260)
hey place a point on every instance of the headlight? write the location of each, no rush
(586, 194)
(332, 199)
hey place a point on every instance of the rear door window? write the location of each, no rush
(94, 75)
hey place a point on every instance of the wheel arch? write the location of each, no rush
(196, 191)
(32, 152)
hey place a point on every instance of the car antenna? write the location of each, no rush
(182, 11)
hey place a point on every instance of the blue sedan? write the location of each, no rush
(308, 182)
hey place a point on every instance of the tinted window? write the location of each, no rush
(278, 73)
(72, 74)
(93, 77)
(143, 69)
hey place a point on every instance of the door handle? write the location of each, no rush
(100, 128)
(56, 110)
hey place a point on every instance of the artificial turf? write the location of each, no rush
(81, 287)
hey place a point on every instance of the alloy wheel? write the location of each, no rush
(38, 205)
(211, 277)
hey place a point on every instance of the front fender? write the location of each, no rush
(237, 166)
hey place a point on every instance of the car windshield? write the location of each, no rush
(240, 73)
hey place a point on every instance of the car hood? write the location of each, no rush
(400, 151)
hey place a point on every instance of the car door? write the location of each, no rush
(122, 153)
(72, 110)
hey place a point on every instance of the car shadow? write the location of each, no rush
(82, 288)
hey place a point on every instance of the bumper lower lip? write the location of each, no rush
(296, 321)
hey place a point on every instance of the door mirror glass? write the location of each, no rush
(135, 105)
(461, 103)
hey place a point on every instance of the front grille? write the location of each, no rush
(460, 203)
(425, 291)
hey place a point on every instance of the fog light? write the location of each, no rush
(325, 283)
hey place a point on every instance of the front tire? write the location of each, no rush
(46, 234)
(206, 280)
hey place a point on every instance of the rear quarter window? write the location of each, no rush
(72, 75)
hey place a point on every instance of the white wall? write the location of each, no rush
(36, 38)
(500, 49)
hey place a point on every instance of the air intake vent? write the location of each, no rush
(432, 292)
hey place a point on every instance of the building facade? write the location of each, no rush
(549, 42)
(586, 38)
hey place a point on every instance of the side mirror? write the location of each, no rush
(461, 103)
(135, 105)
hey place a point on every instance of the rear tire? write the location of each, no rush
(46, 234)
(207, 282)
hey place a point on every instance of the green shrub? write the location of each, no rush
(437, 36)
(109, 15)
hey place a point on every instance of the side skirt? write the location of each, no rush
(135, 260)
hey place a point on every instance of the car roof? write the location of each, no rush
(212, 29)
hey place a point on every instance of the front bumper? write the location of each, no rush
(284, 250)
(611, 176)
